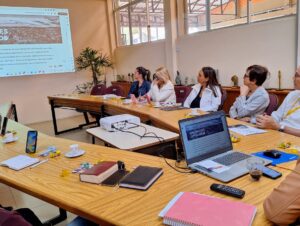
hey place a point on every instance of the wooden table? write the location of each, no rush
(120, 206)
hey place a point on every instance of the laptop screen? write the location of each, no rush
(205, 136)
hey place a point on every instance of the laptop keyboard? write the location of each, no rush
(231, 158)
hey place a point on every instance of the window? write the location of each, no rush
(261, 10)
(196, 15)
(139, 21)
(223, 13)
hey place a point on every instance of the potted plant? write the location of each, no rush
(95, 61)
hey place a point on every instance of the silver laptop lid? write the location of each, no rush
(205, 136)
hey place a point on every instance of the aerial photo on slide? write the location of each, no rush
(30, 29)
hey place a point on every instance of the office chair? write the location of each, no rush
(223, 99)
(182, 92)
(273, 105)
(115, 89)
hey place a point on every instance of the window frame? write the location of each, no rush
(208, 17)
(116, 10)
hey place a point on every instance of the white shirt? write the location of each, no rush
(208, 101)
(166, 93)
(293, 120)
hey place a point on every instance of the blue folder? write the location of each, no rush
(285, 157)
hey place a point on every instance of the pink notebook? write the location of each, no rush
(196, 209)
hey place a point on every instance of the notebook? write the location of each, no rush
(141, 178)
(189, 208)
(19, 162)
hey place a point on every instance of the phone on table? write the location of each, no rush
(31, 141)
(115, 178)
(273, 174)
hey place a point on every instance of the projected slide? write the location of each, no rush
(35, 41)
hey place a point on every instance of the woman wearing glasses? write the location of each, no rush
(253, 99)
(205, 95)
(162, 89)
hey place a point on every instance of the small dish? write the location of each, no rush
(74, 153)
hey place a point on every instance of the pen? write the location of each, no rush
(45, 160)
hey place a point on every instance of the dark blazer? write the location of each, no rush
(139, 91)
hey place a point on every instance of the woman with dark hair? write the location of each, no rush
(142, 84)
(207, 94)
(253, 99)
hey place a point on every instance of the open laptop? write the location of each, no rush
(208, 148)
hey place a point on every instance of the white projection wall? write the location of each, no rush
(35, 41)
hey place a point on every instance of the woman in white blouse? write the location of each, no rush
(207, 94)
(162, 89)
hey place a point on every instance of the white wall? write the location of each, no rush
(231, 50)
(150, 56)
(88, 21)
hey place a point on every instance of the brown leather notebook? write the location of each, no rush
(141, 178)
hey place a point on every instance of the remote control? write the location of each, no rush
(227, 190)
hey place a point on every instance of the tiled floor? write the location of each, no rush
(17, 199)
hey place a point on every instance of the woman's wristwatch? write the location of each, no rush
(281, 128)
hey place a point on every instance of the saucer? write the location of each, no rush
(76, 153)
(5, 141)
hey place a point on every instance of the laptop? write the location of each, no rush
(208, 148)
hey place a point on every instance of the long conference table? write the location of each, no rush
(120, 206)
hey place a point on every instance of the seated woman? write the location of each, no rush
(142, 84)
(162, 89)
(207, 94)
(253, 99)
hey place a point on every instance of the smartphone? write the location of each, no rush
(31, 141)
(3, 130)
(273, 174)
(114, 179)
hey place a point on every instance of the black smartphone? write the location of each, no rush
(114, 179)
(3, 130)
(31, 141)
(273, 174)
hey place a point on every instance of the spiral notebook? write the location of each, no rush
(188, 208)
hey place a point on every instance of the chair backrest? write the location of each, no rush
(223, 99)
(115, 89)
(273, 105)
(182, 93)
(98, 89)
